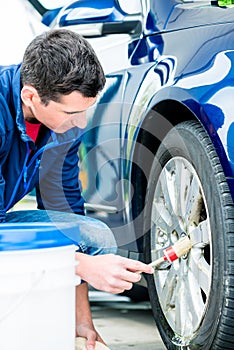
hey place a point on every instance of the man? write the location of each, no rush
(43, 105)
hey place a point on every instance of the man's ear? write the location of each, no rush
(28, 95)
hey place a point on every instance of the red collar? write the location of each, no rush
(32, 130)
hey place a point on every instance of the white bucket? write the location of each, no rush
(37, 288)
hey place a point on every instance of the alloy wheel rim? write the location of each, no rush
(179, 208)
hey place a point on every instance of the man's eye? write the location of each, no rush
(73, 113)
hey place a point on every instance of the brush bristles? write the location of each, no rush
(182, 246)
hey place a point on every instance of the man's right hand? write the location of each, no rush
(110, 273)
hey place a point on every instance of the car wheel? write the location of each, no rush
(192, 299)
(137, 293)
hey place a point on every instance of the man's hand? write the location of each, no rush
(110, 273)
(84, 323)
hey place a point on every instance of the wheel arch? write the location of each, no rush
(170, 112)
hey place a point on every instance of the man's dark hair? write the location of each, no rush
(59, 62)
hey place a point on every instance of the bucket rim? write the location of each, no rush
(38, 235)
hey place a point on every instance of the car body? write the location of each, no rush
(157, 157)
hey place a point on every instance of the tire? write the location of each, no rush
(193, 299)
(137, 294)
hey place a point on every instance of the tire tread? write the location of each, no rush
(225, 338)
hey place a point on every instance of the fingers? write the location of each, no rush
(125, 273)
(91, 342)
(91, 339)
(110, 273)
(130, 276)
(117, 285)
(144, 268)
(137, 266)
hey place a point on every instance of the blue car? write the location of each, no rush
(157, 157)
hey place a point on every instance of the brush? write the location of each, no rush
(172, 253)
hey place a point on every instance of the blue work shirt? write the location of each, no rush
(50, 165)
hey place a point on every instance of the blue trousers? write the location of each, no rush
(93, 236)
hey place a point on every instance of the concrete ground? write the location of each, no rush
(124, 324)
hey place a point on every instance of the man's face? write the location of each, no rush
(61, 116)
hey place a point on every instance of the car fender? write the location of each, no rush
(207, 97)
